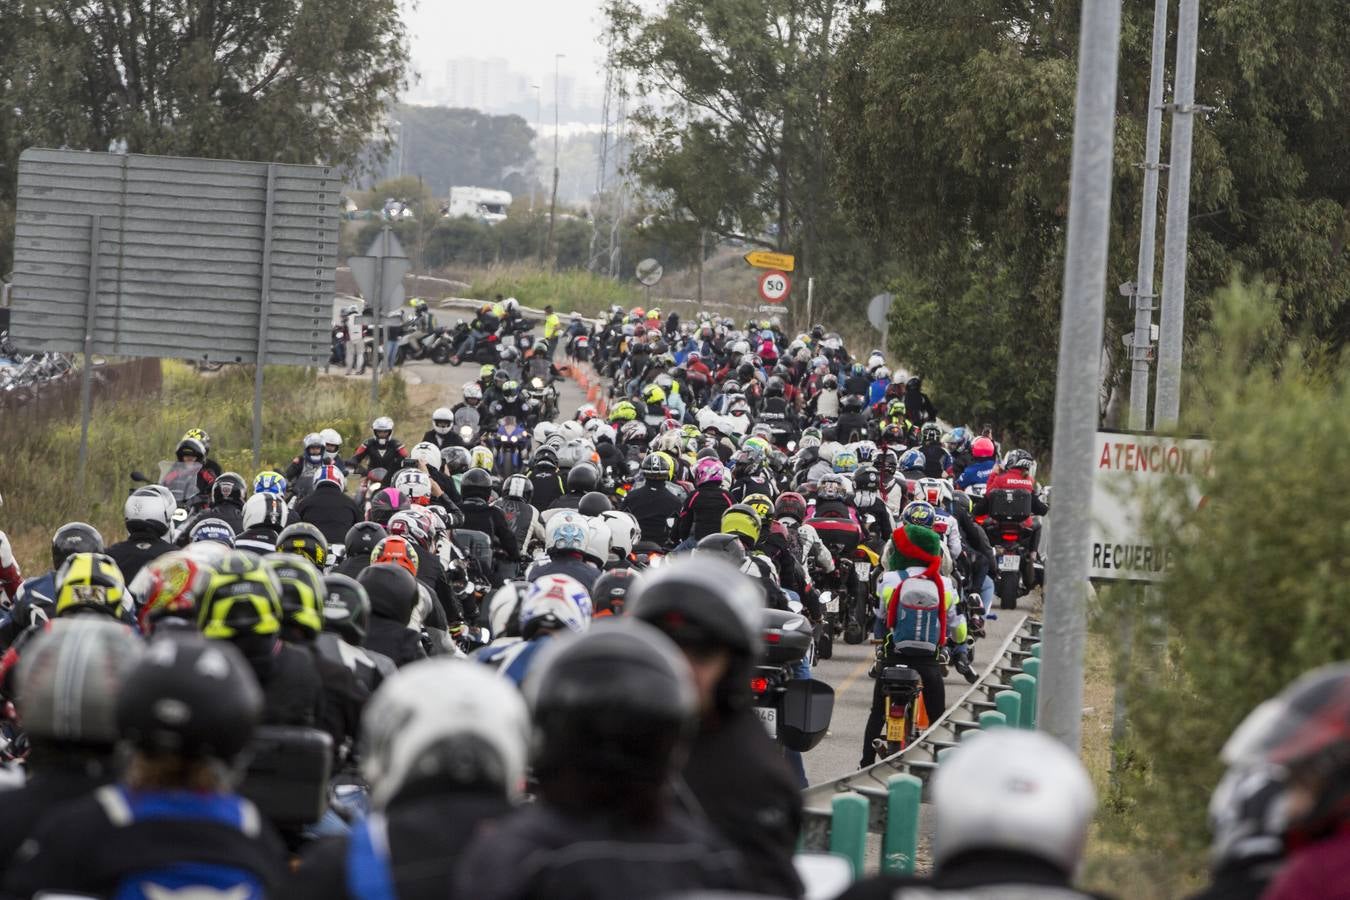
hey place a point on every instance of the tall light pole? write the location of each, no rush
(538, 117)
(553, 204)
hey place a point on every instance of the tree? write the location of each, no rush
(284, 80)
(953, 124)
(464, 147)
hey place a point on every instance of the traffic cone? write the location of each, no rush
(921, 714)
(593, 394)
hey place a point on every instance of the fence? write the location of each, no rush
(30, 405)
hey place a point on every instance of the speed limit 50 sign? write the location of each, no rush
(774, 286)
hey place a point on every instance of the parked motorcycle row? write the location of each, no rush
(22, 375)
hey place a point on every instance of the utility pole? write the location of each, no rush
(1148, 227)
(1060, 702)
(538, 118)
(1167, 400)
(553, 204)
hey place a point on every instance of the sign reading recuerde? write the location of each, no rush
(1128, 467)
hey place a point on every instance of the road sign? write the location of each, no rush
(774, 286)
(1127, 467)
(766, 259)
(649, 272)
(878, 309)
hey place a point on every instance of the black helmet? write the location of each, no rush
(346, 608)
(544, 458)
(190, 697)
(593, 504)
(72, 538)
(306, 540)
(387, 502)
(302, 593)
(867, 479)
(701, 602)
(476, 484)
(961, 500)
(617, 702)
(229, 487)
(655, 467)
(775, 387)
(392, 591)
(362, 537)
(726, 546)
(582, 479)
(609, 594)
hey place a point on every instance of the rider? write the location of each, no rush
(981, 464)
(521, 516)
(380, 450)
(328, 507)
(936, 460)
(37, 596)
(656, 502)
(309, 461)
(480, 515)
(918, 408)
(565, 536)
(1017, 473)
(393, 593)
(553, 605)
(543, 474)
(701, 514)
(228, 493)
(442, 432)
(148, 514)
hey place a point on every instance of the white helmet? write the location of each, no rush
(148, 507)
(472, 391)
(415, 482)
(555, 602)
(330, 436)
(597, 540)
(603, 432)
(623, 531)
(1013, 790)
(480, 457)
(566, 531)
(383, 423)
(265, 509)
(505, 603)
(543, 431)
(572, 430)
(428, 453)
(442, 420)
(518, 487)
(447, 718)
(740, 348)
(311, 440)
(511, 303)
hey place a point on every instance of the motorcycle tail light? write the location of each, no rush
(772, 637)
(1010, 535)
(759, 685)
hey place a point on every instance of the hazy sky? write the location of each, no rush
(525, 32)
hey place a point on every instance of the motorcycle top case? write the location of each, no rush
(787, 636)
(287, 775)
(1004, 504)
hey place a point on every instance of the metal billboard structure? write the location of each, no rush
(159, 256)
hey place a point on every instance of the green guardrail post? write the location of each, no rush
(1036, 650)
(900, 845)
(1032, 667)
(1025, 685)
(848, 829)
(1010, 704)
(945, 752)
(993, 719)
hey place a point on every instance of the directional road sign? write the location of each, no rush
(765, 259)
(774, 286)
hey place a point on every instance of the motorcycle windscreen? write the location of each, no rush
(805, 717)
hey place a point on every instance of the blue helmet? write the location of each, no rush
(919, 512)
(911, 459)
(959, 439)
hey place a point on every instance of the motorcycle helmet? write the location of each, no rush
(170, 587)
(511, 391)
(1018, 459)
(383, 429)
(301, 594)
(912, 461)
(565, 531)
(867, 479)
(241, 598)
(444, 724)
(72, 538)
(457, 460)
(832, 487)
(623, 411)
(961, 502)
(473, 391)
(593, 503)
(657, 467)
(791, 506)
(68, 679)
(845, 460)
(609, 594)
(306, 540)
(544, 459)
(409, 525)
(199, 435)
(217, 530)
(743, 521)
(919, 512)
(829, 383)
(396, 550)
(269, 482)
(392, 590)
(623, 532)
(504, 609)
(583, 478)
(266, 510)
(332, 443)
(958, 441)
(1246, 817)
(189, 697)
(1014, 791)
(708, 471)
(485, 373)
(442, 419)
(776, 386)
(190, 447)
(518, 487)
(427, 453)
(761, 504)
(311, 448)
(330, 475)
(937, 492)
(653, 395)
(415, 483)
(149, 511)
(617, 702)
(555, 603)
(481, 458)
(982, 448)
(476, 484)
(91, 582)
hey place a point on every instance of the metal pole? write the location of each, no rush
(538, 117)
(553, 204)
(377, 344)
(810, 293)
(1167, 401)
(264, 306)
(87, 376)
(1080, 346)
(1148, 227)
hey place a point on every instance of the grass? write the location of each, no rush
(568, 291)
(41, 462)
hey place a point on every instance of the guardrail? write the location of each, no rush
(886, 796)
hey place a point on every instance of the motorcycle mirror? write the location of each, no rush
(137, 476)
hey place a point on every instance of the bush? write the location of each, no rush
(41, 463)
(1256, 595)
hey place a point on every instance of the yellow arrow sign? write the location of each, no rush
(765, 259)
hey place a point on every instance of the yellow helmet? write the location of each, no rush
(761, 504)
(242, 598)
(481, 458)
(653, 393)
(741, 520)
(302, 591)
(91, 581)
(623, 411)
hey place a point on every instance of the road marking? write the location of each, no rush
(853, 676)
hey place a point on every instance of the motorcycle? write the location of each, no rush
(467, 424)
(795, 711)
(542, 398)
(1010, 526)
(579, 348)
(901, 687)
(510, 447)
(488, 349)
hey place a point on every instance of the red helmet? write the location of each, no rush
(982, 448)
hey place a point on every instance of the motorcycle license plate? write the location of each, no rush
(1009, 562)
(769, 717)
(863, 568)
(895, 729)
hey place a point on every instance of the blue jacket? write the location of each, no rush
(975, 473)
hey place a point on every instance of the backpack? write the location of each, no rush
(918, 613)
(369, 874)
